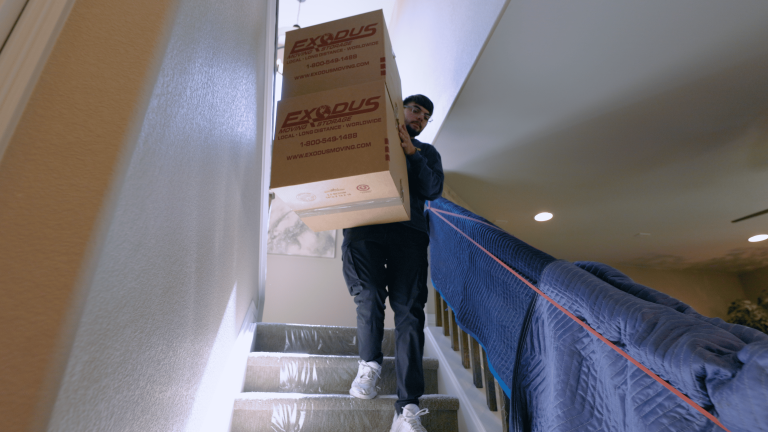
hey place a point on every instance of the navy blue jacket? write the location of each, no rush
(425, 181)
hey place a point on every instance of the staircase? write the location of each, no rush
(298, 379)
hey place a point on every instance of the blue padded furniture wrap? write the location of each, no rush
(489, 303)
(571, 381)
(558, 376)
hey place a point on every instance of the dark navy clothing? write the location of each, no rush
(425, 181)
(390, 260)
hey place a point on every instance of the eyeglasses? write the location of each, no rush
(415, 109)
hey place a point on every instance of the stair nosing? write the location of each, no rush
(378, 403)
(429, 363)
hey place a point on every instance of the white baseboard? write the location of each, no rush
(454, 380)
(224, 377)
(431, 320)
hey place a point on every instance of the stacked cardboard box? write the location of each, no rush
(336, 159)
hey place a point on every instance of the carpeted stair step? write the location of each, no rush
(321, 374)
(262, 412)
(311, 339)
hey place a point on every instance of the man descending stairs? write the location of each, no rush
(299, 378)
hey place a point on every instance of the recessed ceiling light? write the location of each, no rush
(543, 217)
(758, 238)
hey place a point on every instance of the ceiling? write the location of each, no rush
(620, 118)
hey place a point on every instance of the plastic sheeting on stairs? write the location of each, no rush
(291, 412)
(307, 339)
(326, 374)
(290, 390)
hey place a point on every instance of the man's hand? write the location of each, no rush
(405, 141)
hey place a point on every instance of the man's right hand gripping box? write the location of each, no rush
(341, 53)
(337, 160)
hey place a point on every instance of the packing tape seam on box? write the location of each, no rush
(356, 206)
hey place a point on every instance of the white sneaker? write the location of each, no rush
(364, 385)
(409, 420)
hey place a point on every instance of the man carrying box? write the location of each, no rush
(391, 260)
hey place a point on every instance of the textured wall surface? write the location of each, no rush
(710, 293)
(436, 43)
(54, 180)
(129, 213)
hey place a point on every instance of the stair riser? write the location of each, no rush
(322, 376)
(291, 418)
(319, 340)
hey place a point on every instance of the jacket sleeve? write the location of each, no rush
(426, 173)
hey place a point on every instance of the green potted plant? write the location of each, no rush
(749, 314)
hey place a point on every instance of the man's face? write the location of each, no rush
(416, 118)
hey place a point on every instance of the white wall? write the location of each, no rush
(161, 336)
(709, 293)
(436, 43)
(308, 290)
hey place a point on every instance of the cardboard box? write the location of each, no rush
(337, 160)
(341, 53)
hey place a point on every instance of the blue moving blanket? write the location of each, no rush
(561, 378)
(569, 380)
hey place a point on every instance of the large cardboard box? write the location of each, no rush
(337, 160)
(341, 53)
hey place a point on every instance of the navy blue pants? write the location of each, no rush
(390, 260)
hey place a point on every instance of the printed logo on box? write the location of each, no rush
(306, 197)
(363, 188)
(315, 43)
(325, 112)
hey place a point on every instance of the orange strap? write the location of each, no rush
(677, 392)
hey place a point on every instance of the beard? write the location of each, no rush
(413, 133)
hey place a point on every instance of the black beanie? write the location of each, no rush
(421, 100)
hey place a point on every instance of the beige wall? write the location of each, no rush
(452, 196)
(754, 283)
(709, 293)
(129, 213)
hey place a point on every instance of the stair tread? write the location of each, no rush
(267, 401)
(263, 412)
(321, 374)
(265, 324)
